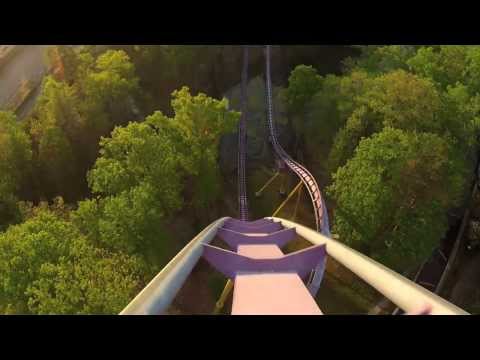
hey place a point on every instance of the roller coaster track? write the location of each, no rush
(242, 142)
(158, 295)
(319, 208)
(266, 280)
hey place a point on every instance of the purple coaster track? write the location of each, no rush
(321, 216)
(242, 142)
(266, 281)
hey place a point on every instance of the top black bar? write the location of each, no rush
(309, 27)
(236, 38)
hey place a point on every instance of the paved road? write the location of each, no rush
(28, 64)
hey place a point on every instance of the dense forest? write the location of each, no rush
(125, 139)
(395, 137)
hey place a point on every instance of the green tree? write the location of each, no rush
(143, 170)
(401, 100)
(472, 72)
(380, 59)
(139, 178)
(112, 84)
(47, 266)
(460, 115)
(70, 119)
(24, 248)
(93, 281)
(15, 153)
(362, 123)
(163, 68)
(303, 83)
(203, 120)
(445, 65)
(15, 165)
(394, 194)
(56, 129)
(105, 82)
(64, 61)
(136, 154)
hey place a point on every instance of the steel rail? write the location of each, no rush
(157, 296)
(410, 297)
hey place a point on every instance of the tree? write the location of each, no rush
(401, 100)
(460, 114)
(57, 106)
(15, 153)
(303, 83)
(137, 154)
(138, 176)
(163, 68)
(445, 65)
(24, 248)
(105, 81)
(362, 123)
(398, 187)
(143, 168)
(472, 71)
(57, 206)
(47, 266)
(64, 62)
(203, 120)
(112, 84)
(381, 59)
(56, 130)
(94, 282)
(70, 119)
(15, 165)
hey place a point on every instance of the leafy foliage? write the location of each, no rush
(111, 82)
(144, 168)
(400, 130)
(379, 59)
(445, 65)
(15, 153)
(15, 165)
(47, 266)
(54, 129)
(93, 281)
(83, 101)
(303, 83)
(397, 187)
(404, 101)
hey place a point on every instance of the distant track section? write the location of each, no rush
(242, 142)
(320, 211)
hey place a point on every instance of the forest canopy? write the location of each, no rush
(89, 186)
(396, 138)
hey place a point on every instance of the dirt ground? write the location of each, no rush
(466, 291)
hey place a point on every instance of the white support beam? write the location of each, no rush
(157, 296)
(404, 293)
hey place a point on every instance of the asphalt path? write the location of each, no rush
(28, 64)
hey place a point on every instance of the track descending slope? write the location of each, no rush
(321, 215)
(242, 142)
